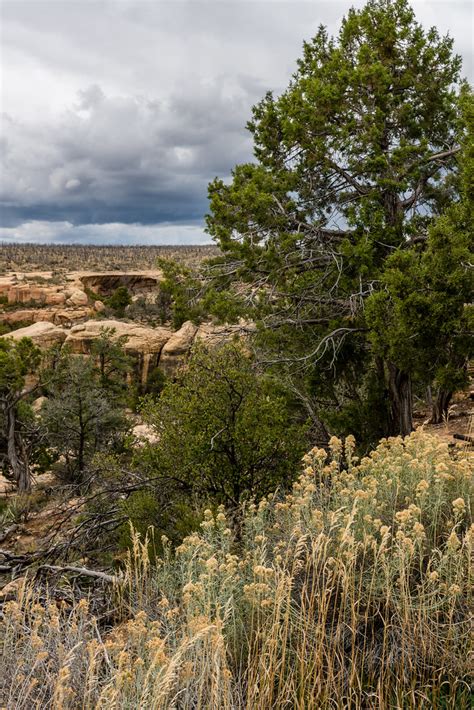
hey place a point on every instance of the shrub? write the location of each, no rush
(354, 590)
(223, 430)
(119, 300)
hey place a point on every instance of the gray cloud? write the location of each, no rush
(125, 158)
(119, 112)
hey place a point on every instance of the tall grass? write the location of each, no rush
(353, 591)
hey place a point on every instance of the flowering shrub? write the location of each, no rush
(354, 590)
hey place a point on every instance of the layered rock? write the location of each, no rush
(43, 334)
(143, 342)
(177, 347)
(105, 283)
(30, 293)
(58, 316)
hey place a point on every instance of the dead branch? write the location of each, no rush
(80, 571)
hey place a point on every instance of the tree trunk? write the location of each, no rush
(401, 401)
(18, 465)
(440, 406)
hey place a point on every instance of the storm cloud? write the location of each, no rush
(124, 158)
(117, 114)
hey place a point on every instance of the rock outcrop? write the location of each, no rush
(177, 347)
(56, 315)
(62, 313)
(105, 283)
(42, 295)
(143, 342)
(43, 334)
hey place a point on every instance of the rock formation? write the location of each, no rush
(143, 342)
(177, 347)
(62, 314)
(105, 283)
(43, 334)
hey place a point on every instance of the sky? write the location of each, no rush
(116, 114)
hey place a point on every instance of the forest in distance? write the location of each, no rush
(241, 475)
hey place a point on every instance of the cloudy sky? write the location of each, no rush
(117, 113)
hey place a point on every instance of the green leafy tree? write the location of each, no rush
(352, 162)
(223, 430)
(17, 361)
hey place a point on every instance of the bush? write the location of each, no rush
(354, 590)
(119, 300)
(224, 431)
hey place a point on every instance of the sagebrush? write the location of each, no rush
(354, 590)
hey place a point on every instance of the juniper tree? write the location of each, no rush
(352, 162)
(224, 432)
(80, 416)
(423, 319)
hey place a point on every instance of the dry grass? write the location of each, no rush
(354, 591)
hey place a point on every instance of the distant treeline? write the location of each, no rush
(92, 256)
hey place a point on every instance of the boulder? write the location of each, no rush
(177, 348)
(71, 316)
(99, 306)
(77, 298)
(38, 403)
(43, 334)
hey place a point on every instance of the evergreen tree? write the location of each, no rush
(423, 319)
(17, 361)
(223, 431)
(352, 162)
(80, 416)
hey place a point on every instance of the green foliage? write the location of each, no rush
(80, 417)
(422, 320)
(195, 295)
(18, 359)
(353, 163)
(112, 363)
(223, 432)
(155, 382)
(146, 511)
(176, 288)
(119, 300)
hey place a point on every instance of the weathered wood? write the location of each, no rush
(464, 437)
(81, 571)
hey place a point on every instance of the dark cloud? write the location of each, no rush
(118, 113)
(124, 158)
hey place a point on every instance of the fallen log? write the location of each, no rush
(464, 437)
(80, 571)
